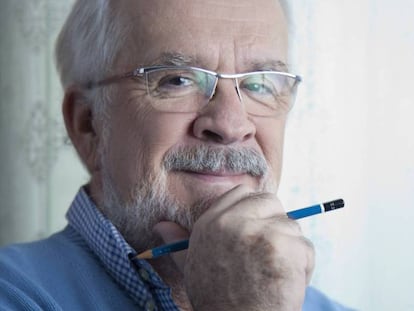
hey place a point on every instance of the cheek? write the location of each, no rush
(140, 138)
(270, 136)
(162, 132)
(125, 156)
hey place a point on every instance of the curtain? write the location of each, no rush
(350, 135)
(38, 168)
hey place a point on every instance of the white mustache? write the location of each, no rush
(203, 158)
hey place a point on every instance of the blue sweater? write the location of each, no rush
(61, 273)
(87, 267)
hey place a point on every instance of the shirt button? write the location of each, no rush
(144, 274)
(150, 305)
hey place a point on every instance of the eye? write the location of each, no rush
(175, 81)
(258, 86)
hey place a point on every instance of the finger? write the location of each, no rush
(261, 205)
(171, 232)
(285, 225)
(266, 207)
(227, 200)
(252, 211)
(299, 252)
(310, 259)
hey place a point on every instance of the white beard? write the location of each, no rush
(151, 203)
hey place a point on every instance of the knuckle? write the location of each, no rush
(288, 225)
(262, 196)
(308, 243)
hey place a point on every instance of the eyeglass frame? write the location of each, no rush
(141, 71)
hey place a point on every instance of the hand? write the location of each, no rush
(245, 254)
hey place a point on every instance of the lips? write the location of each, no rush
(218, 177)
(220, 173)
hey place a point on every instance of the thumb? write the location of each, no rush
(171, 232)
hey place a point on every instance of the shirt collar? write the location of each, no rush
(137, 277)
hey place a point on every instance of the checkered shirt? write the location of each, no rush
(136, 276)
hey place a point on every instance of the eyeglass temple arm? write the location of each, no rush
(94, 84)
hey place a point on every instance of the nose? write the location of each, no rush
(224, 120)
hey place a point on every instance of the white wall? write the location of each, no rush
(350, 135)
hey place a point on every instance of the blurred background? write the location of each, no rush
(350, 135)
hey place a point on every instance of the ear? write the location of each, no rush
(80, 125)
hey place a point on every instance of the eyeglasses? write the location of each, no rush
(190, 89)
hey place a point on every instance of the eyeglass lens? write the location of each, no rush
(189, 90)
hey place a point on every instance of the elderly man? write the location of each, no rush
(177, 109)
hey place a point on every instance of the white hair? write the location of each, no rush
(88, 45)
(90, 41)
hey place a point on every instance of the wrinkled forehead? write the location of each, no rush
(209, 32)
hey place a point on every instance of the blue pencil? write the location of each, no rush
(296, 214)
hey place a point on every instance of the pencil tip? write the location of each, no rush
(144, 255)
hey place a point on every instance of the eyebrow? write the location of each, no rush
(273, 65)
(179, 59)
(174, 59)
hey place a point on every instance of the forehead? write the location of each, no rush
(213, 34)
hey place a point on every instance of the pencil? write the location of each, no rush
(296, 214)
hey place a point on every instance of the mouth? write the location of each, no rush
(220, 173)
(222, 176)
(196, 186)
